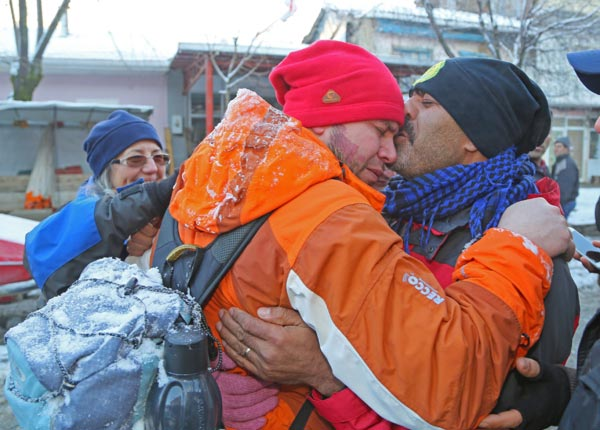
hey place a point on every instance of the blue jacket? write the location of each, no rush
(91, 226)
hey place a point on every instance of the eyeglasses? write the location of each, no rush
(140, 160)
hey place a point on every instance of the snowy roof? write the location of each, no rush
(67, 113)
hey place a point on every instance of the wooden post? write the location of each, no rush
(209, 97)
(169, 147)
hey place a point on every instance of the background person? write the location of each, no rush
(566, 173)
(583, 411)
(121, 150)
(536, 155)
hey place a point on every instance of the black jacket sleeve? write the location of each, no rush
(554, 346)
(116, 217)
(597, 214)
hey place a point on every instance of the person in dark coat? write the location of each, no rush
(536, 155)
(583, 411)
(566, 173)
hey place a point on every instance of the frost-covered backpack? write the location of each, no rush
(88, 358)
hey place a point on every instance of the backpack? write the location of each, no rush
(199, 270)
(88, 358)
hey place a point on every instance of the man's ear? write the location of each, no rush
(472, 154)
(470, 146)
(319, 131)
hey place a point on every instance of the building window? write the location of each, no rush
(465, 53)
(420, 55)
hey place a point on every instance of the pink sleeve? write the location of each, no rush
(345, 411)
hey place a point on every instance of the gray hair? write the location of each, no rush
(102, 185)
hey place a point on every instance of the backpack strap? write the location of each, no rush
(302, 416)
(195, 269)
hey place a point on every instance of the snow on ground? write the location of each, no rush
(583, 213)
(589, 295)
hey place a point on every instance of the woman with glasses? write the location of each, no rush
(122, 151)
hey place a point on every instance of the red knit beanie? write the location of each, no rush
(332, 82)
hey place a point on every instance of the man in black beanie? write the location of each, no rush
(462, 160)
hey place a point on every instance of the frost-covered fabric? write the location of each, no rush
(92, 348)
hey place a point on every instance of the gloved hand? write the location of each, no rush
(543, 398)
(164, 189)
(246, 399)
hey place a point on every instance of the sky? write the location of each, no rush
(157, 25)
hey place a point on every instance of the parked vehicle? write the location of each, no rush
(19, 294)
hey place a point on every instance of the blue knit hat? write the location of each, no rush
(110, 137)
(587, 66)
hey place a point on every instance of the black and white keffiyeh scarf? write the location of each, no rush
(488, 187)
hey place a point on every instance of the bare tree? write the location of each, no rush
(534, 27)
(26, 72)
(243, 65)
(239, 67)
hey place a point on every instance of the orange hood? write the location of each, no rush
(256, 160)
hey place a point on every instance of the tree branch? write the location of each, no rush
(489, 36)
(43, 42)
(436, 29)
(15, 27)
(40, 21)
(216, 67)
(249, 73)
(23, 36)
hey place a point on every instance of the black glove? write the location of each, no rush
(543, 399)
(160, 192)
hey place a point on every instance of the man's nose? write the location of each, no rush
(409, 109)
(387, 151)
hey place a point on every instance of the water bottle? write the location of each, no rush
(188, 398)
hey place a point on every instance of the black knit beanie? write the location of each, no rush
(494, 102)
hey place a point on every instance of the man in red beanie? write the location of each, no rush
(383, 322)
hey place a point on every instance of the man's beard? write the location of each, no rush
(336, 143)
(410, 131)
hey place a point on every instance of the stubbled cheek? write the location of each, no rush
(346, 150)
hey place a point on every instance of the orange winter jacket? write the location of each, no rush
(419, 356)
